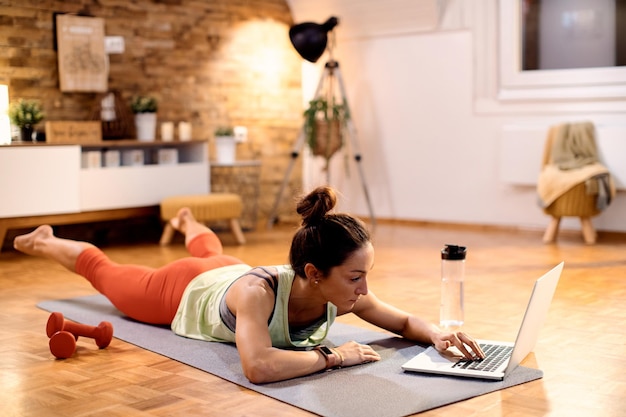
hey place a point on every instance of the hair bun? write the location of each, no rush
(314, 206)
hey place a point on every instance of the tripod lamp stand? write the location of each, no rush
(310, 41)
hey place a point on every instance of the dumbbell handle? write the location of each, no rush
(102, 334)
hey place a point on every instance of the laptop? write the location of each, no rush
(500, 357)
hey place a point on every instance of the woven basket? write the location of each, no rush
(123, 127)
(328, 138)
(575, 202)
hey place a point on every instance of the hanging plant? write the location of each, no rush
(323, 126)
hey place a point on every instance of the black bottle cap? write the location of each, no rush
(453, 252)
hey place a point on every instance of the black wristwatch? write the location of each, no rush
(326, 352)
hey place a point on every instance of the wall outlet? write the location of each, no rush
(241, 134)
(114, 44)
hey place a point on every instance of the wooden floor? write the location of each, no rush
(582, 347)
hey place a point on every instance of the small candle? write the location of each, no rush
(107, 104)
(167, 131)
(184, 131)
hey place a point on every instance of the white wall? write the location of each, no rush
(430, 152)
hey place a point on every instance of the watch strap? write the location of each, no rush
(333, 358)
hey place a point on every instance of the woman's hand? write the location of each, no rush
(354, 353)
(444, 340)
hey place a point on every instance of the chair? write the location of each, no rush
(205, 208)
(572, 182)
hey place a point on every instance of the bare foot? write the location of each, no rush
(182, 220)
(42, 242)
(187, 224)
(31, 243)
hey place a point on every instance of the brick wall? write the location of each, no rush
(210, 62)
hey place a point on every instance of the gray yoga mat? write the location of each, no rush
(378, 389)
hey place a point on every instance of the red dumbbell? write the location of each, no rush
(102, 333)
(62, 344)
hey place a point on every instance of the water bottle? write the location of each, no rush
(452, 276)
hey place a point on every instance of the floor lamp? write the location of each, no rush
(310, 41)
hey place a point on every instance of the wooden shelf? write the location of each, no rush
(112, 143)
(133, 143)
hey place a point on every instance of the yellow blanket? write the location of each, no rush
(554, 182)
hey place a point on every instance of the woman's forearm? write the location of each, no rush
(419, 330)
(278, 365)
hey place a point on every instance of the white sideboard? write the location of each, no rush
(37, 180)
(41, 179)
(145, 185)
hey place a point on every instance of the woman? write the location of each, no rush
(281, 313)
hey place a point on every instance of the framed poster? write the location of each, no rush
(82, 60)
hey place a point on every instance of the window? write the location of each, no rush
(562, 49)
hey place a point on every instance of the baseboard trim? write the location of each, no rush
(603, 234)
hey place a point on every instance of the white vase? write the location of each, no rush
(225, 148)
(145, 125)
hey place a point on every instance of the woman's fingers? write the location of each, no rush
(355, 353)
(463, 341)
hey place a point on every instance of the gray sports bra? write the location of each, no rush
(296, 334)
(227, 316)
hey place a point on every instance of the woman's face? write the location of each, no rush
(346, 283)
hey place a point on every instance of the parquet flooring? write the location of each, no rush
(587, 318)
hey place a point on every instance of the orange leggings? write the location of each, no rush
(151, 295)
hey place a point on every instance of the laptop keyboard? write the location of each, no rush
(495, 355)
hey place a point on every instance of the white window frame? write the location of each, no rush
(566, 84)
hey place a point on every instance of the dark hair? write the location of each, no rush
(324, 239)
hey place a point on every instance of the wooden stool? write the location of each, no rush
(205, 208)
(579, 200)
(574, 203)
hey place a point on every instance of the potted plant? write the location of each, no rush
(224, 131)
(225, 145)
(323, 125)
(145, 108)
(25, 114)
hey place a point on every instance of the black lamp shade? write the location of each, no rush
(310, 39)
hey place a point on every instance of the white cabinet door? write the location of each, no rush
(136, 186)
(39, 180)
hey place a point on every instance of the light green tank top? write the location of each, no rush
(198, 315)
